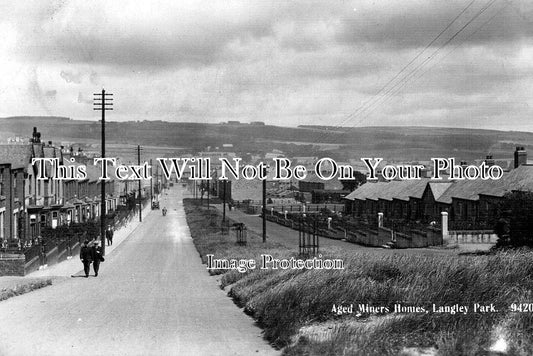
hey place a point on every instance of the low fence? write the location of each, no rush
(367, 230)
(37, 255)
(472, 236)
(363, 231)
(41, 252)
(291, 208)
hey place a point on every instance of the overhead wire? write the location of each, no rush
(398, 86)
(411, 61)
(376, 98)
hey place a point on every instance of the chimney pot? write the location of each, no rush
(520, 156)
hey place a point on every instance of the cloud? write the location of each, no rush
(413, 23)
(84, 99)
(134, 33)
(71, 77)
(50, 94)
(290, 62)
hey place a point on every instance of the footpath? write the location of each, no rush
(67, 268)
(289, 237)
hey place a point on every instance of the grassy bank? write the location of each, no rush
(295, 306)
(13, 286)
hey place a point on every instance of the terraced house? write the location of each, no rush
(27, 203)
(469, 203)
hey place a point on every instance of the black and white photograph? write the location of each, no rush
(266, 177)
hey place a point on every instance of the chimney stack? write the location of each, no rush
(520, 156)
(489, 161)
(36, 136)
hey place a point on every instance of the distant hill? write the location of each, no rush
(398, 143)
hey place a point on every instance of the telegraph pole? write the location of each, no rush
(151, 186)
(224, 201)
(103, 102)
(264, 209)
(140, 195)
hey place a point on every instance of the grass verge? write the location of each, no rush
(14, 286)
(295, 307)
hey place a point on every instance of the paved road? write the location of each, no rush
(152, 297)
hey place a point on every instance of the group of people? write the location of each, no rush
(91, 252)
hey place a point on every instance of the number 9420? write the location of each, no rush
(521, 307)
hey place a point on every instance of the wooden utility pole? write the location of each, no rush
(140, 195)
(151, 186)
(224, 201)
(264, 210)
(103, 102)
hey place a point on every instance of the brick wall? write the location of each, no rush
(12, 265)
(32, 265)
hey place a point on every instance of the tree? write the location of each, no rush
(514, 225)
(353, 184)
(203, 189)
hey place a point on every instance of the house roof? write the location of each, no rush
(38, 150)
(93, 173)
(18, 155)
(67, 163)
(520, 178)
(369, 190)
(49, 152)
(401, 190)
(438, 189)
(331, 184)
(74, 201)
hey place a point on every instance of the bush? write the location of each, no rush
(515, 225)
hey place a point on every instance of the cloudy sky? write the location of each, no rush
(335, 62)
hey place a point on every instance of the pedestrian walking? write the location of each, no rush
(109, 235)
(97, 257)
(86, 257)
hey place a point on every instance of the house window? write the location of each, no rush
(2, 219)
(15, 225)
(461, 210)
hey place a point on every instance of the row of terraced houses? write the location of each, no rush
(468, 203)
(27, 203)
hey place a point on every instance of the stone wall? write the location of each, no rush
(12, 265)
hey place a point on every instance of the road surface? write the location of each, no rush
(152, 297)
